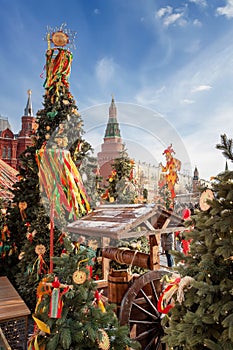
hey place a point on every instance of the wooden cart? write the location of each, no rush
(135, 296)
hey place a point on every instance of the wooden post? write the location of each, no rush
(105, 262)
(154, 241)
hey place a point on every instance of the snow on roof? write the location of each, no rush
(8, 176)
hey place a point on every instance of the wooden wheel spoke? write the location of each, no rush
(154, 291)
(151, 323)
(150, 303)
(145, 334)
(157, 345)
(144, 311)
(152, 343)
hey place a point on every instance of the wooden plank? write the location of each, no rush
(11, 304)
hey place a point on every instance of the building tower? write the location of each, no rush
(196, 181)
(112, 146)
(24, 137)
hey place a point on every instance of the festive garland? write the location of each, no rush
(58, 67)
(62, 183)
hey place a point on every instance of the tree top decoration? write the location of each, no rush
(60, 37)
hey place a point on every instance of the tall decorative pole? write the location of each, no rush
(59, 178)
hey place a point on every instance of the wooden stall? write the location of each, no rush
(136, 297)
(13, 317)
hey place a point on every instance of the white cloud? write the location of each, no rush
(187, 101)
(105, 70)
(169, 16)
(171, 19)
(197, 23)
(163, 11)
(202, 3)
(202, 88)
(226, 10)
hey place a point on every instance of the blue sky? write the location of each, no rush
(171, 60)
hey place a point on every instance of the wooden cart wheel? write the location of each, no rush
(139, 310)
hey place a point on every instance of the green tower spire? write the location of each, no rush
(112, 129)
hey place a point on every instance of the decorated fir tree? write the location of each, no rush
(71, 313)
(203, 318)
(50, 190)
(121, 183)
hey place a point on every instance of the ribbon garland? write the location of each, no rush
(58, 68)
(62, 183)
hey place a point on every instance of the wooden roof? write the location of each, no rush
(8, 176)
(11, 304)
(120, 221)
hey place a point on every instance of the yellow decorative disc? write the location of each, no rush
(79, 277)
(60, 38)
(104, 344)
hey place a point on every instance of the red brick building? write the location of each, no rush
(12, 145)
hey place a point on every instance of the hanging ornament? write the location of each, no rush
(41, 265)
(31, 235)
(79, 277)
(5, 233)
(98, 300)
(104, 343)
(22, 207)
(56, 303)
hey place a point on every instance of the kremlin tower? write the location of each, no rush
(112, 146)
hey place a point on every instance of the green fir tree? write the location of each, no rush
(204, 320)
(84, 317)
(122, 187)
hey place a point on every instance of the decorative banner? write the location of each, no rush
(60, 180)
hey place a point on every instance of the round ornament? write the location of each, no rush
(104, 344)
(206, 195)
(79, 277)
(40, 249)
(60, 38)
